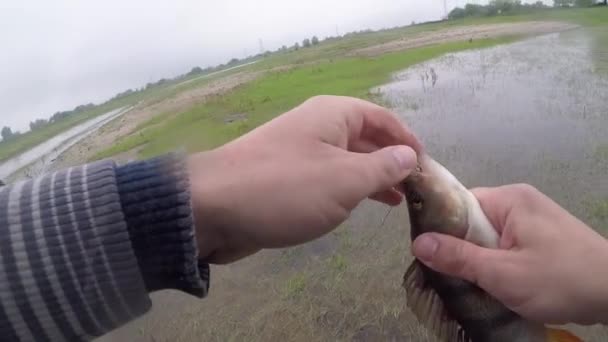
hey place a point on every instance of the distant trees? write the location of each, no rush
(6, 133)
(36, 124)
(563, 3)
(65, 114)
(306, 43)
(233, 61)
(495, 7)
(315, 40)
(577, 3)
(195, 71)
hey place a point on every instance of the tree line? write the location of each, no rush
(505, 7)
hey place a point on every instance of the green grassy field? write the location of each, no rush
(203, 126)
(321, 69)
(328, 54)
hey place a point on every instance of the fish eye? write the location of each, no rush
(416, 200)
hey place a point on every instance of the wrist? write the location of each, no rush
(205, 199)
(597, 291)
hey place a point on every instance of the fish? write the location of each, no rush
(453, 309)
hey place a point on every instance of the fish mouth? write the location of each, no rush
(414, 198)
(411, 186)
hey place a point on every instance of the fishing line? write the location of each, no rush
(373, 235)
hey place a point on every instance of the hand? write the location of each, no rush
(550, 266)
(297, 177)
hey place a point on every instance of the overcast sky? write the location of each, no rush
(61, 53)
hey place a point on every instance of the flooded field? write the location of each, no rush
(40, 158)
(533, 111)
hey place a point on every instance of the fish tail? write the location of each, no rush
(560, 335)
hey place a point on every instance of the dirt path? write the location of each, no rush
(126, 124)
(463, 33)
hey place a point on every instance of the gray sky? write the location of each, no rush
(62, 53)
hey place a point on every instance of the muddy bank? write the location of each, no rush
(465, 33)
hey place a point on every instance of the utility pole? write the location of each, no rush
(445, 8)
(261, 46)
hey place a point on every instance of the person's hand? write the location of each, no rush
(298, 176)
(550, 267)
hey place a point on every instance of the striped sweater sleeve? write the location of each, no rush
(82, 248)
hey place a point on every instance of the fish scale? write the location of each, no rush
(454, 309)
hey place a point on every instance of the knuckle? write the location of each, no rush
(462, 260)
(525, 191)
(319, 99)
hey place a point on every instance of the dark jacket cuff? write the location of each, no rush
(155, 198)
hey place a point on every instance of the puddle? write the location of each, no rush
(533, 111)
(39, 159)
(599, 50)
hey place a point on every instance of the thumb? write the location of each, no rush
(388, 166)
(458, 258)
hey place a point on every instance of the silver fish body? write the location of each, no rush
(454, 309)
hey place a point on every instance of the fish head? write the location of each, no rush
(436, 200)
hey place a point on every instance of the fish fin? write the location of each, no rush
(560, 335)
(428, 308)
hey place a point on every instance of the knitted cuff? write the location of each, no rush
(155, 199)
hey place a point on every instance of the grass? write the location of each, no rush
(598, 211)
(202, 127)
(336, 48)
(601, 152)
(324, 53)
(321, 69)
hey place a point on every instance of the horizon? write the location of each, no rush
(62, 91)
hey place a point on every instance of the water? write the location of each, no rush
(534, 112)
(600, 50)
(39, 159)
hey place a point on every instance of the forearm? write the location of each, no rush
(81, 249)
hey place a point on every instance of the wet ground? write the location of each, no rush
(534, 112)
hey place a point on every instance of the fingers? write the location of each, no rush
(498, 203)
(383, 128)
(458, 258)
(381, 170)
(390, 197)
(372, 123)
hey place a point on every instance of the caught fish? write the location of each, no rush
(455, 310)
